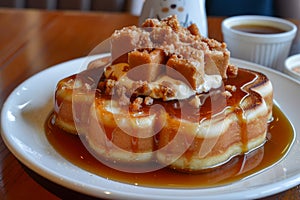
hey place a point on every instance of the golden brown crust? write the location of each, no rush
(178, 67)
(150, 63)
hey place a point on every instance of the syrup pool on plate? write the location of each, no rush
(279, 139)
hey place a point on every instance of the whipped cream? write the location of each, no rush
(180, 89)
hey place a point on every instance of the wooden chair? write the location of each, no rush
(132, 6)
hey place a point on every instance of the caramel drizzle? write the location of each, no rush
(244, 82)
(241, 113)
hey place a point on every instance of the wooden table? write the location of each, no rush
(31, 41)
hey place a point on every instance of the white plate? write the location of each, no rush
(27, 108)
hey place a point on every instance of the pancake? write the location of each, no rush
(178, 103)
(238, 128)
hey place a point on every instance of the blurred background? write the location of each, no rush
(84, 5)
(279, 8)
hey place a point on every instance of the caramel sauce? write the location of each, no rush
(258, 29)
(184, 110)
(280, 137)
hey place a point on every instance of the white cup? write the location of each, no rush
(292, 66)
(187, 11)
(269, 50)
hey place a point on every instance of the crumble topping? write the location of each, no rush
(162, 60)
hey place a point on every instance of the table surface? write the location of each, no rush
(31, 41)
